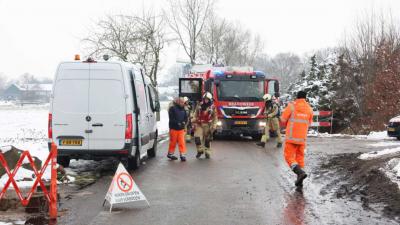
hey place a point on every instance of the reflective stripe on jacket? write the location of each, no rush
(298, 115)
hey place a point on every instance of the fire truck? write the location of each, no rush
(237, 95)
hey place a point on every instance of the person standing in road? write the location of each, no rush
(297, 116)
(271, 113)
(177, 123)
(188, 128)
(205, 121)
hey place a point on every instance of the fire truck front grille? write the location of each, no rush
(241, 111)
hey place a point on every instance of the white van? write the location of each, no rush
(103, 109)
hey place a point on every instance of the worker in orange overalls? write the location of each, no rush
(297, 116)
(177, 123)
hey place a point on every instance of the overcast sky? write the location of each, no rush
(36, 35)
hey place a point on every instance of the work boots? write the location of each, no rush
(261, 144)
(199, 154)
(301, 175)
(183, 158)
(171, 157)
(279, 145)
(207, 155)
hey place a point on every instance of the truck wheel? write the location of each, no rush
(134, 161)
(151, 153)
(63, 161)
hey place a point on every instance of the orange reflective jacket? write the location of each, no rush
(297, 116)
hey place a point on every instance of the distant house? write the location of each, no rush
(28, 92)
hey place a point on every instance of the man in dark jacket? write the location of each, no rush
(177, 123)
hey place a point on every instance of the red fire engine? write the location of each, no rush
(237, 95)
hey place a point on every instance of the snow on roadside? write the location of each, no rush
(392, 170)
(4, 223)
(385, 144)
(24, 127)
(379, 154)
(163, 127)
(373, 136)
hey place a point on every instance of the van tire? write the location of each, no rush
(151, 153)
(63, 161)
(134, 161)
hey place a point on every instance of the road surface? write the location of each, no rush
(240, 184)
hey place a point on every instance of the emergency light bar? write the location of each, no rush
(229, 74)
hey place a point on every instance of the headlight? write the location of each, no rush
(219, 124)
(262, 124)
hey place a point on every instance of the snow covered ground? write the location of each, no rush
(373, 136)
(25, 127)
(391, 150)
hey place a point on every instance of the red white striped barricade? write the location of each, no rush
(50, 195)
(322, 114)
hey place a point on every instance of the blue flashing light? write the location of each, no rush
(218, 73)
(260, 74)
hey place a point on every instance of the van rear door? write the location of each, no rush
(70, 106)
(107, 107)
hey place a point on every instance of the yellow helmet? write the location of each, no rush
(207, 95)
(267, 97)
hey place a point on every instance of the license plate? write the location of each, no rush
(391, 129)
(71, 142)
(240, 122)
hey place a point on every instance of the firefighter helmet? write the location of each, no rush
(267, 97)
(207, 95)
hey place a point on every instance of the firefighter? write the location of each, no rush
(177, 123)
(297, 116)
(205, 122)
(188, 128)
(271, 113)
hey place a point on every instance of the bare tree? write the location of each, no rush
(285, 66)
(240, 47)
(211, 39)
(187, 18)
(135, 39)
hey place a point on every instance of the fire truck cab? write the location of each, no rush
(237, 95)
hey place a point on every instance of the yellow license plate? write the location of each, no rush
(240, 122)
(71, 142)
(392, 129)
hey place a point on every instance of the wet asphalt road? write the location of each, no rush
(240, 184)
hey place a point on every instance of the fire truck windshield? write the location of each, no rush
(240, 90)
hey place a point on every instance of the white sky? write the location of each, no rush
(37, 34)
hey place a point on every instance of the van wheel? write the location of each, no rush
(134, 161)
(63, 161)
(151, 153)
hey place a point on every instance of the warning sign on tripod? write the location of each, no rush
(123, 189)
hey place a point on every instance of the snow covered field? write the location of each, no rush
(25, 127)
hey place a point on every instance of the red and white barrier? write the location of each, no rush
(50, 195)
(322, 113)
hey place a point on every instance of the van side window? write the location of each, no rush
(152, 97)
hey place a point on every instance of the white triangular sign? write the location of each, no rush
(123, 189)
